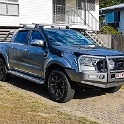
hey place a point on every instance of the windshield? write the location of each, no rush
(67, 37)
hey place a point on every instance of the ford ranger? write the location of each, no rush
(60, 58)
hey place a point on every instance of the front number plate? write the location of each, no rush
(119, 75)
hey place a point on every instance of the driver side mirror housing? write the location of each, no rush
(40, 43)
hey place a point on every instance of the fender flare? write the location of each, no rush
(56, 60)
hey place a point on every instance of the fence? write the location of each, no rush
(119, 45)
(113, 41)
(4, 30)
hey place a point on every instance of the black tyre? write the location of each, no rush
(59, 88)
(3, 71)
(111, 89)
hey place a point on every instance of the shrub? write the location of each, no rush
(109, 30)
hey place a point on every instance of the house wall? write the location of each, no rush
(121, 28)
(37, 11)
(9, 20)
(31, 11)
(93, 22)
(71, 3)
(72, 15)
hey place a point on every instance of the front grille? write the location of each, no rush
(101, 66)
(118, 64)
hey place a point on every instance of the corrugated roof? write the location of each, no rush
(112, 8)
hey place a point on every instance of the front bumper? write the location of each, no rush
(103, 80)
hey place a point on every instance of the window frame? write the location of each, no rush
(12, 1)
(7, 3)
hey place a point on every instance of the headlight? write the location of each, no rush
(111, 64)
(88, 61)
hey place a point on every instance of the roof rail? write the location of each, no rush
(25, 25)
(52, 25)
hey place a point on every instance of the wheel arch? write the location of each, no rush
(54, 66)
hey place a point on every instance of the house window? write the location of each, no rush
(59, 10)
(90, 5)
(3, 8)
(85, 5)
(8, 0)
(9, 7)
(80, 4)
(13, 9)
(12, 0)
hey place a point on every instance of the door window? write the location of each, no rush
(22, 37)
(36, 35)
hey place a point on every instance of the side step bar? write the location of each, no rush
(28, 77)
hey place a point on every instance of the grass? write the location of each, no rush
(122, 87)
(20, 108)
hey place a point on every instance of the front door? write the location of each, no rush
(59, 11)
(36, 59)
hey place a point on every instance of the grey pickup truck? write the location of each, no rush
(60, 58)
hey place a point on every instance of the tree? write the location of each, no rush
(107, 3)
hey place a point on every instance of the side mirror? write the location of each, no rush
(38, 43)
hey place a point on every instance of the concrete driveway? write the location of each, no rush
(98, 106)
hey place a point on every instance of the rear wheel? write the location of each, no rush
(59, 86)
(111, 89)
(3, 71)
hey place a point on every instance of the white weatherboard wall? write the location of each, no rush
(9, 21)
(30, 11)
(35, 11)
(40, 11)
(93, 23)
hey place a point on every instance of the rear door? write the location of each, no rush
(18, 55)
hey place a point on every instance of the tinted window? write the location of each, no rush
(67, 37)
(36, 35)
(22, 37)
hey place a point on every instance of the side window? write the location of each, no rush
(22, 37)
(36, 35)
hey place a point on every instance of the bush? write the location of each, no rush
(109, 30)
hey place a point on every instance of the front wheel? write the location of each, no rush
(111, 89)
(59, 87)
